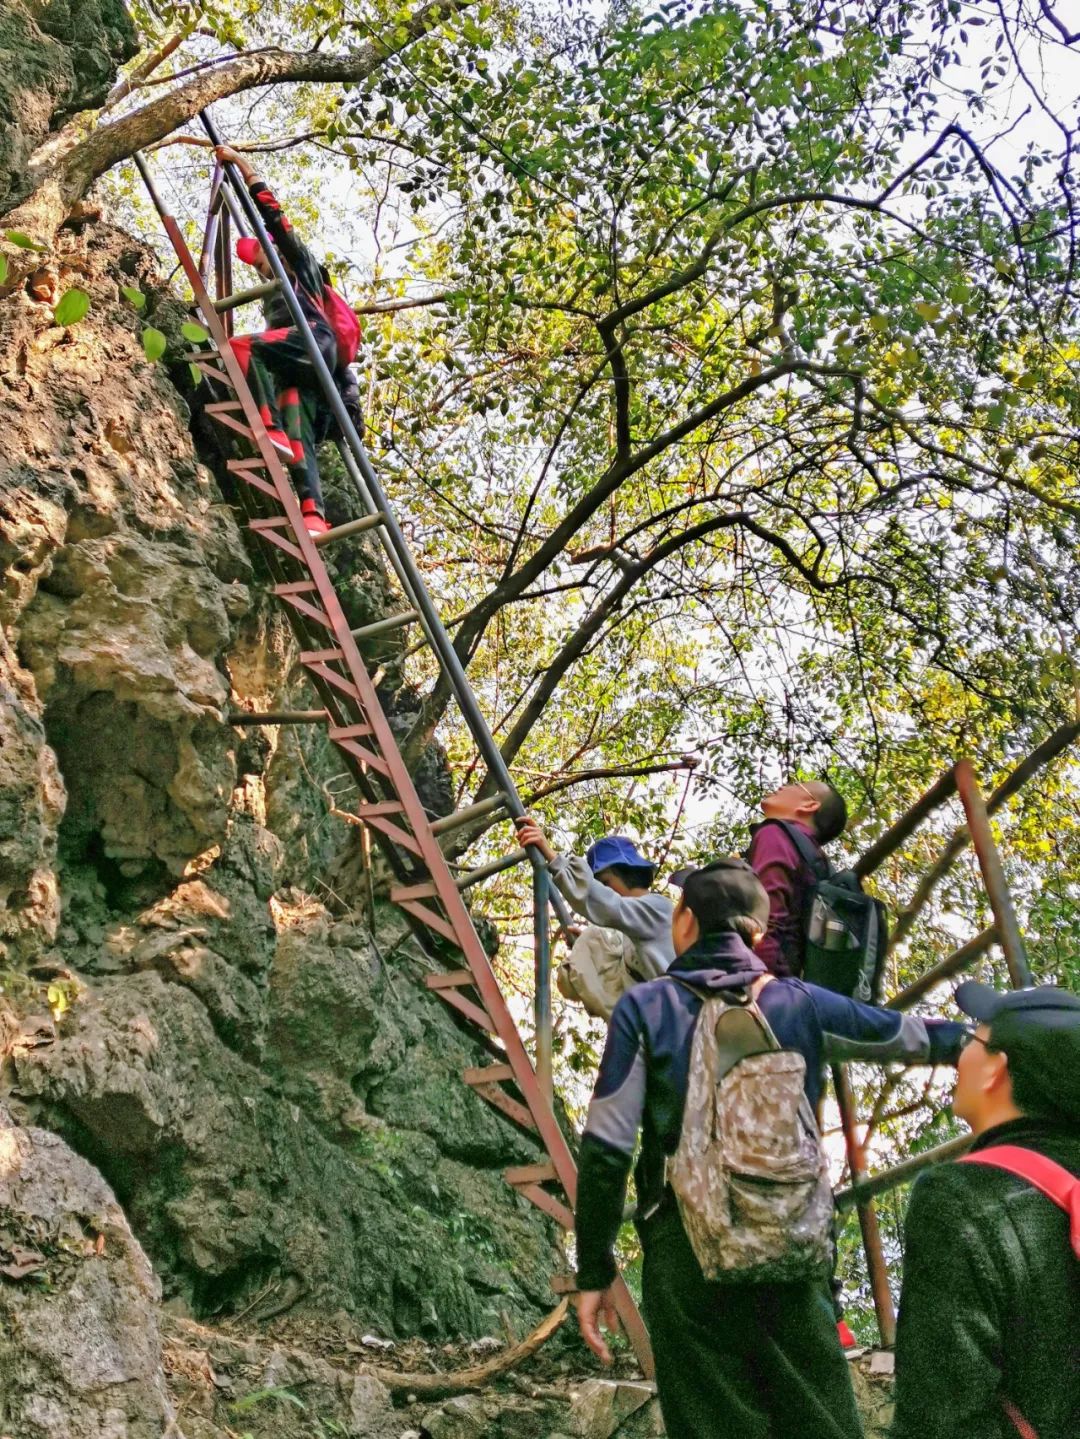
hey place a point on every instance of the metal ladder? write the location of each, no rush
(426, 889)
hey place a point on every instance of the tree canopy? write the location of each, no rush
(722, 364)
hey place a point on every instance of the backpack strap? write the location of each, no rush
(1019, 1423)
(1043, 1174)
(811, 854)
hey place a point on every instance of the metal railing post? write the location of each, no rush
(997, 888)
(541, 884)
(868, 1221)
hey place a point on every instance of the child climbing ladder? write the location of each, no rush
(276, 364)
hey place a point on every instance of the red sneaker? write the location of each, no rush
(314, 521)
(281, 442)
(844, 1334)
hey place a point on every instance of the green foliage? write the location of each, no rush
(23, 241)
(265, 1396)
(3, 269)
(154, 343)
(133, 296)
(194, 332)
(73, 306)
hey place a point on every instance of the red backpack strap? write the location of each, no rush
(1020, 1424)
(1049, 1178)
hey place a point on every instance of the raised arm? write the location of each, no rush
(882, 1036)
(292, 249)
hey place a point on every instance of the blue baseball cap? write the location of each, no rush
(616, 849)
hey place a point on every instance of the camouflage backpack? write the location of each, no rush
(749, 1172)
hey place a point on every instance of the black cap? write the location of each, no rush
(1038, 1030)
(719, 891)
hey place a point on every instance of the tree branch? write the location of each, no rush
(53, 188)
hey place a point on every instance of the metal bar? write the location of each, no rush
(210, 229)
(236, 298)
(223, 266)
(440, 640)
(462, 816)
(954, 963)
(997, 888)
(351, 527)
(1044, 754)
(485, 871)
(900, 1173)
(897, 833)
(242, 717)
(868, 1221)
(541, 880)
(384, 627)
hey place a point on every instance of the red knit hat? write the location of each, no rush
(248, 249)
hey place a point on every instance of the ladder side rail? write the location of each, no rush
(437, 635)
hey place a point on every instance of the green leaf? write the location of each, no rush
(72, 307)
(196, 374)
(23, 241)
(154, 343)
(133, 296)
(3, 269)
(193, 332)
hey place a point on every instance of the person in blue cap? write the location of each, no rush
(988, 1343)
(612, 887)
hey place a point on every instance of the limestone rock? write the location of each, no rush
(463, 1417)
(32, 800)
(599, 1406)
(79, 1344)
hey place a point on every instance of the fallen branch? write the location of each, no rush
(462, 1381)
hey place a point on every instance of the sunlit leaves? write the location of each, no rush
(154, 343)
(73, 306)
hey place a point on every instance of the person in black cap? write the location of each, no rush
(749, 1360)
(988, 1342)
(612, 887)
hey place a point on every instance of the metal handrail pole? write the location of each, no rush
(993, 873)
(440, 640)
(876, 1264)
(541, 885)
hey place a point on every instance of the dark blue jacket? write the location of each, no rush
(644, 1070)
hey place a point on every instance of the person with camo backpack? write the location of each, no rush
(719, 1065)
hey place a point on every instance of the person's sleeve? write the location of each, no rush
(949, 1335)
(775, 860)
(644, 917)
(608, 1145)
(291, 248)
(863, 1032)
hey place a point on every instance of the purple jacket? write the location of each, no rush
(787, 880)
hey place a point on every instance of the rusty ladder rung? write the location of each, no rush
(246, 297)
(448, 822)
(352, 527)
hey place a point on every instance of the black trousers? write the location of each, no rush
(755, 1361)
(283, 355)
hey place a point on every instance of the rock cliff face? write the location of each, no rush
(197, 989)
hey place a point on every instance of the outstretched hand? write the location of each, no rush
(530, 833)
(596, 1307)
